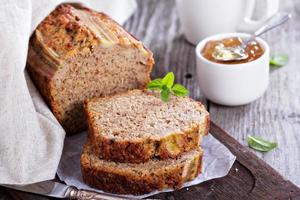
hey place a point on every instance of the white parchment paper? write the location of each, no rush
(217, 162)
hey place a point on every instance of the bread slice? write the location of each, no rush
(126, 178)
(137, 126)
(77, 53)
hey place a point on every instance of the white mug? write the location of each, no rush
(202, 18)
(233, 84)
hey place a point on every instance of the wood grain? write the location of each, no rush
(275, 116)
(250, 178)
(4, 195)
(156, 24)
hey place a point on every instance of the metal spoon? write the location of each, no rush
(238, 53)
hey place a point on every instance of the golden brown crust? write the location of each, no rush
(205, 128)
(127, 181)
(65, 33)
(69, 30)
(143, 149)
(41, 73)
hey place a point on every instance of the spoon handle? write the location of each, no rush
(277, 20)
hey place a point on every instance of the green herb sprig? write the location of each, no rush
(279, 60)
(260, 144)
(166, 87)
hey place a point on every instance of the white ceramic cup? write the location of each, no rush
(232, 84)
(202, 18)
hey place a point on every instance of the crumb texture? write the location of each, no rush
(136, 126)
(143, 114)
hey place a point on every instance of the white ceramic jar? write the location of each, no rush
(233, 84)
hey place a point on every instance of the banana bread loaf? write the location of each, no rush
(126, 178)
(137, 126)
(77, 53)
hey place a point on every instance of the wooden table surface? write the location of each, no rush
(275, 116)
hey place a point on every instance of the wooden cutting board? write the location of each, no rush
(249, 178)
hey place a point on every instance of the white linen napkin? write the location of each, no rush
(31, 139)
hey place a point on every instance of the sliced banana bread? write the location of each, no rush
(77, 53)
(126, 178)
(136, 126)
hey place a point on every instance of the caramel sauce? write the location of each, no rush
(254, 50)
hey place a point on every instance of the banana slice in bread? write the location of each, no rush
(130, 178)
(137, 126)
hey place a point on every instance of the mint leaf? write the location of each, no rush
(260, 144)
(156, 84)
(180, 90)
(168, 80)
(165, 94)
(279, 60)
(165, 86)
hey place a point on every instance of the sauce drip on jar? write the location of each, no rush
(253, 49)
